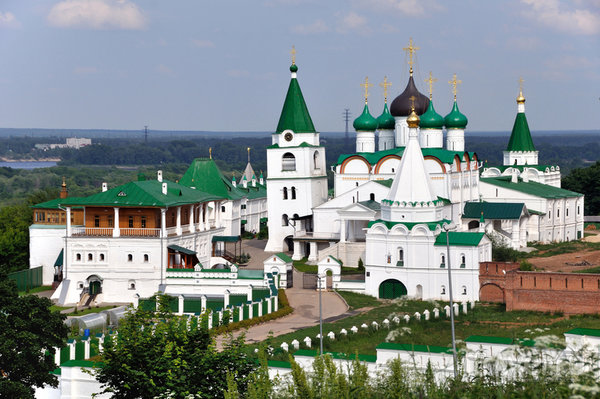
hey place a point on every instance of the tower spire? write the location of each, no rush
(411, 50)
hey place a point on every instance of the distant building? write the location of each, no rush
(72, 142)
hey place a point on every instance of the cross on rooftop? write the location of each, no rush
(385, 84)
(366, 85)
(293, 53)
(454, 82)
(430, 80)
(411, 50)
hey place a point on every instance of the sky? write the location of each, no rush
(224, 65)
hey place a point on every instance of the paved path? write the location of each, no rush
(306, 312)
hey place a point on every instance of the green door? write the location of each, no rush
(391, 289)
(95, 287)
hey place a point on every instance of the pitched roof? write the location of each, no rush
(409, 225)
(460, 239)
(294, 115)
(520, 138)
(531, 187)
(144, 193)
(204, 175)
(493, 210)
(373, 205)
(284, 257)
(53, 204)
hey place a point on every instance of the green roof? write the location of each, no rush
(493, 210)
(531, 187)
(414, 348)
(386, 182)
(253, 192)
(59, 260)
(460, 239)
(386, 120)
(339, 262)
(455, 119)
(284, 257)
(250, 274)
(226, 239)
(144, 193)
(409, 225)
(294, 115)
(336, 355)
(446, 156)
(365, 121)
(53, 204)
(204, 175)
(181, 249)
(431, 119)
(489, 340)
(520, 138)
(592, 332)
(373, 205)
(301, 145)
(520, 168)
(279, 364)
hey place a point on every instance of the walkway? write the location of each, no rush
(306, 312)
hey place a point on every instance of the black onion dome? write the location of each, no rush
(402, 105)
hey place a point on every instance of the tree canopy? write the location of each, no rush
(164, 355)
(29, 331)
(587, 182)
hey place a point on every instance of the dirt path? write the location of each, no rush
(558, 263)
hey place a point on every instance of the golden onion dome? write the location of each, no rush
(520, 98)
(413, 119)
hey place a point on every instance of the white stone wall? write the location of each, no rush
(45, 244)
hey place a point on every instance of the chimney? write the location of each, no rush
(63, 189)
(233, 182)
(515, 176)
(164, 188)
(159, 175)
(245, 182)
(104, 186)
(261, 180)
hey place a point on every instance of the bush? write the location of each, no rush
(526, 266)
(361, 266)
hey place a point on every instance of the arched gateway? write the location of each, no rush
(391, 288)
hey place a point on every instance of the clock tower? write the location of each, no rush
(296, 171)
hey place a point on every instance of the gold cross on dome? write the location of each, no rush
(430, 80)
(412, 102)
(521, 80)
(411, 50)
(454, 82)
(293, 53)
(385, 84)
(248, 153)
(366, 85)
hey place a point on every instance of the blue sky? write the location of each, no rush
(223, 65)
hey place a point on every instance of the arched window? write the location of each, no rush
(288, 162)
(90, 257)
(463, 261)
(293, 192)
(101, 257)
(443, 261)
(400, 257)
(372, 196)
(78, 257)
(316, 159)
(146, 258)
(284, 220)
(443, 291)
(129, 258)
(464, 290)
(285, 193)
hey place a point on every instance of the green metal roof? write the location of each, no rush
(541, 168)
(414, 348)
(431, 119)
(181, 249)
(386, 182)
(520, 138)
(592, 332)
(226, 239)
(250, 274)
(294, 115)
(339, 262)
(373, 205)
(409, 225)
(301, 145)
(386, 120)
(284, 257)
(493, 210)
(205, 175)
(460, 239)
(365, 121)
(144, 193)
(531, 187)
(336, 355)
(446, 156)
(279, 364)
(455, 119)
(53, 204)
(59, 259)
(253, 192)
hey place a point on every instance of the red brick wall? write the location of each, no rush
(492, 280)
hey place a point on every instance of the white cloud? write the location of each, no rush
(319, 26)
(97, 14)
(556, 14)
(85, 70)
(8, 20)
(202, 43)
(352, 22)
(413, 8)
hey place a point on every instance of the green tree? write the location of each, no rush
(587, 182)
(29, 331)
(166, 355)
(14, 237)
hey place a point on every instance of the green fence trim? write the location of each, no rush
(148, 304)
(237, 299)
(192, 305)
(79, 350)
(28, 278)
(65, 354)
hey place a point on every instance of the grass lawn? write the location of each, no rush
(59, 308)
(92, 310)
(301, 266)
(35, 290)
(545, 250)
(484, 319)
(357, 301)
(590, 270)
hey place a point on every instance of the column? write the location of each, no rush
(342, 230)
(250, 287)
(351, 235)
(180, 301)
(203, 302)
(68, 210)
(116, 229)
(298, 246)
(218, 214)
(192, 227)
(178, 228)
(226, 298)
(312, 256)
(515, 234)
(163, 222)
